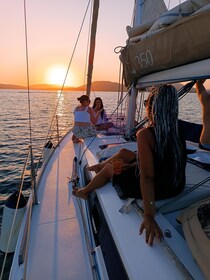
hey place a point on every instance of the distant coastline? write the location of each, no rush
(96, 86)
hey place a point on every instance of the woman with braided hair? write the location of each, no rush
(158, 170)
(162, 155)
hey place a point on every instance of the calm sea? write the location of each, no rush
(15, 132)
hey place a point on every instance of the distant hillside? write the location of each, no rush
(8, 86)
(96, 86)
(102, 86)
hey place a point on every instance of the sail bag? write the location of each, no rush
(185, 41)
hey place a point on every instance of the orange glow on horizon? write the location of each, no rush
(57, 75)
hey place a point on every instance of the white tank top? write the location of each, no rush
(82, 116)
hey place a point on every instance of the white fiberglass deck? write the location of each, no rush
(140, 260)
(56, 248)
(56, 244)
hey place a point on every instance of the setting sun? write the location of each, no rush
(56, 76)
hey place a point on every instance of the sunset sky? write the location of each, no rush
(52, 30)
(53, 27)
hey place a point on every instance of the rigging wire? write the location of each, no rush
(29, 109)
(27, 71)
(70, 61)
(118, 50)
(74, 49)
(30, 136)
(49, 134)
(120, 93)
(181, 92)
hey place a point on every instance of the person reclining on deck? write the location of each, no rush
(161, 159)
(204, 98)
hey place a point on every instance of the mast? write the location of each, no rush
(92, 45)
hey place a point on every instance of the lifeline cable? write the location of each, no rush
(80, 161)
(182, 92)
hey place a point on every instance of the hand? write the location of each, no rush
(127, 166)
(152, 230)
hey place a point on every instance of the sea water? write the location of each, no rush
(17, 107)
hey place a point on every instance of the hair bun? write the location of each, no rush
(83, 98)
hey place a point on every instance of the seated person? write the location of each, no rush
(204, 98)
(84, 120)
(161, 160)
(102, 122)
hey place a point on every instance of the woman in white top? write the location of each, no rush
(102, 121)
(84, 120)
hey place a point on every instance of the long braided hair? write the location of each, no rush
(163, 117)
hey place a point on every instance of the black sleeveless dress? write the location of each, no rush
(127, 184)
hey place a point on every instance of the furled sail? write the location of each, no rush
(147, 10)
(178, 37)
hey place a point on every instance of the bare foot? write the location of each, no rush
(80, 193)
(76, 141)
(97, 168)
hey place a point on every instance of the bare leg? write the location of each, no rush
(108, 125)
(126, 155)
(98, 181)
(75, 139)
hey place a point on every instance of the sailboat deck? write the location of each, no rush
(55, 231)
(125, 228)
